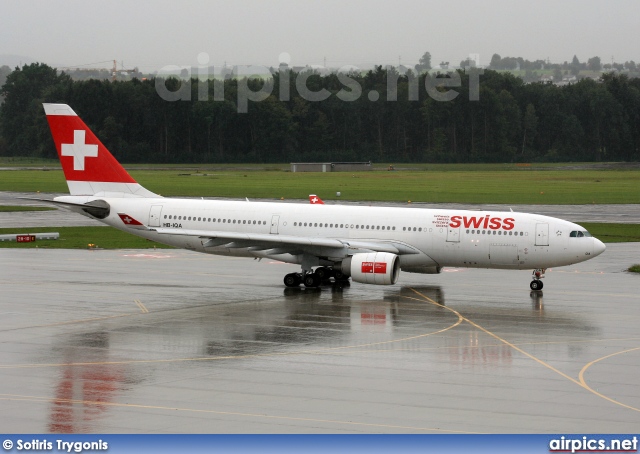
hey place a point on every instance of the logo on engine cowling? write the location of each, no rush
(374, 267)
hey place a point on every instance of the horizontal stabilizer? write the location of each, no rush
(97, 208)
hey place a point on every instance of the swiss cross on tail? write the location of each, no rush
(315, 200)
(79, 149)
(87, 164)
(82, 155)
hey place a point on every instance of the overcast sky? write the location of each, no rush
(154, 34)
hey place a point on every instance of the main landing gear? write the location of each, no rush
(312, 279)
(536, 283)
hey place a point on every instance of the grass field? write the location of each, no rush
(110, 238)
(499, 183)
(11, 208)
(80, 238)
(634, 269)
(613, 233)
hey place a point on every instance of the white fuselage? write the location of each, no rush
(442, 237)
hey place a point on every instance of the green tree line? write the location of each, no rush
(512, 121)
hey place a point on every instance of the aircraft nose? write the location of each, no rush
(598, 247)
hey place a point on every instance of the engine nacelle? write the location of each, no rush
(422, 269)
(379, 268)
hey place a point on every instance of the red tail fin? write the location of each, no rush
(315, 200)
(88, 166)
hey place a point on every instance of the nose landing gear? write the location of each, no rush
(536, 283)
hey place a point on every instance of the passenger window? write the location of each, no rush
(404, 228)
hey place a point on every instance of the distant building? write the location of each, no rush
(330, 166)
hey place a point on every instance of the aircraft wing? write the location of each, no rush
(289, 244)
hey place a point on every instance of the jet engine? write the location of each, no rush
(380, 268)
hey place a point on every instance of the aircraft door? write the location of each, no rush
(453, 234)
(503, 254)
(542, 234)
(275, 219)
(154, 215)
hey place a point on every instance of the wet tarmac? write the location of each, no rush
(621, 213)
(175, 341)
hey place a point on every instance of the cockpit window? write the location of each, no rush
(579, 234)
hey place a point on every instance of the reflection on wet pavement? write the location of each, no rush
(215, 354)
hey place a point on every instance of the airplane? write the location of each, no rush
(368, 244)
(315, 200)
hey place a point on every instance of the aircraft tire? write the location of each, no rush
(536, 284)
(311, 280)
(323, 273)
(292, 280)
